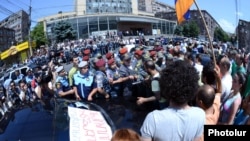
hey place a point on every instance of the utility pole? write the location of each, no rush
(30, 42)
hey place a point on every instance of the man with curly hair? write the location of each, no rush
(179, 121)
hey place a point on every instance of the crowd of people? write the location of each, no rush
(185, 81)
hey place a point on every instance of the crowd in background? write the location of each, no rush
(181, 79)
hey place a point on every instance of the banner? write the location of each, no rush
(87, 125)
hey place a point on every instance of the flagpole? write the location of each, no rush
(209, 37)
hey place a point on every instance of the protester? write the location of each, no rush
(73, 70)
(178, 84)
(243, 116)
(231, 105)
(154, 85)
(208, 99)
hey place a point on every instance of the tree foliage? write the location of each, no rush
(194, 30)
(189, 29)
(186, 30)
(37, 34)
(178, 30)
(220, 35)
(63, 30)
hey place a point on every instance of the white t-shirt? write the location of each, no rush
(226, 84)
(174, 124)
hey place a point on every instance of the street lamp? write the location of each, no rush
(60, 12)
(30, 43)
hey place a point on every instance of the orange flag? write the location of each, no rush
(182, 9)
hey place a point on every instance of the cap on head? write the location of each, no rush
(59, 69)
(108, 55)
(82, 64)
(152, 53)
(100, 63)
(123, 50)
(139, 52)
(111, 61)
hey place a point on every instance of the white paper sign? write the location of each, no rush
(87, 125)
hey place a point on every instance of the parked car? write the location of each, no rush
(38, 121)
(151, 41)
(41, 121)
(11, 71)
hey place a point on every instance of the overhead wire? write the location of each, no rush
(14, 4)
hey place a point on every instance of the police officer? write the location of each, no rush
(128, 74)
(113, 75)
(84, 83)
(29, 76)
(137, 61)
(62, 84)
(118, 58)
(103, 83)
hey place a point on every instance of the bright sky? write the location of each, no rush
(223, 11)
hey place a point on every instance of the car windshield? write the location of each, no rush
(43, 121)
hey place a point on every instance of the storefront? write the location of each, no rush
(16, 53)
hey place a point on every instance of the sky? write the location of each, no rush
(225, 12)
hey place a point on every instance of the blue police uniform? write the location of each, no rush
(84, 84)
(29, 78)
(79, 58)
(62, 84)
(102, 81)
(125, 71)
(116, 88)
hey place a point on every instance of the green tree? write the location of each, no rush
(193, 29)
(37, 35)
(220, 35)
(185, 30)
(178, 30)
(63, 30)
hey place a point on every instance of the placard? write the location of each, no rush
(87, 125)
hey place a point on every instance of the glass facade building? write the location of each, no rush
(127, 25)
(101, 17)
(108, 6)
